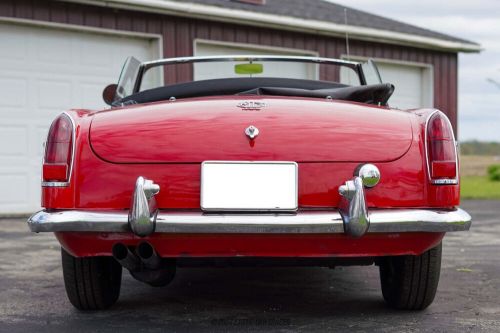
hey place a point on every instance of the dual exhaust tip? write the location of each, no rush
(145, 264)
(144, 256)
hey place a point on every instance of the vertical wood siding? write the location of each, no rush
(178, 34)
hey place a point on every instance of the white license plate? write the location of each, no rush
(249, 186)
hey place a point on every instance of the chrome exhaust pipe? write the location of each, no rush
(146, 265)
(148, 256)
(157, 271)
(125, 257)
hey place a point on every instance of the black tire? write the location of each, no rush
(92, 283)
(410, 282)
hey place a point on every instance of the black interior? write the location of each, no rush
(372, 94)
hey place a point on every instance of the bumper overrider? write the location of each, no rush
(353, 218)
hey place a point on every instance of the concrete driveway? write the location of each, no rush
(32, 296)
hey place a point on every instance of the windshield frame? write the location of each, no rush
(356, 66)
(129, 69)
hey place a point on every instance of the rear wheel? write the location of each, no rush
(410, 282)
(92, 283)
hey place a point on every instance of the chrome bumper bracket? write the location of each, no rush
(353, 207)
(143, 208)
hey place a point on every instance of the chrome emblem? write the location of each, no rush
(252, 132)
(251, 105)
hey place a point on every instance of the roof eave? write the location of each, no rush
(237, 16)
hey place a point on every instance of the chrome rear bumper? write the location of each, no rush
(303, 222)
(352, 218)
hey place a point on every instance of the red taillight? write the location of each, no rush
(441, 150)
(58, 150)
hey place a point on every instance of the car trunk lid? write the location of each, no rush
(291, 129)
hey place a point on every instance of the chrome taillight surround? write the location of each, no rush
(70, 171)
(440, 181)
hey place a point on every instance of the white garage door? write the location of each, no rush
(224, 70)
(413, 82)
(44, 71)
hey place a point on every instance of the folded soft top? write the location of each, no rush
(371, 94)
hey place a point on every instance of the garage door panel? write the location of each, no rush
(409, 81)
(87, 92)
(34, 190)
(54, 47)
(45, 72)
(15, 42)
(38, 140)
(13, 141)
(54, 94)
(15, 186)
(412, 82)
(15, 92)
(101, 57)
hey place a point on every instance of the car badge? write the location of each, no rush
(252, 132)
(251, 105)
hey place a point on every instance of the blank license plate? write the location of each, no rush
(249, 186)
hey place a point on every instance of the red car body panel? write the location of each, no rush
(193, 131)
(237, 245)
(168, 141)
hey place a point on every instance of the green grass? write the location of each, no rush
(479, 187)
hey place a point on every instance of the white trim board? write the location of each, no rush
(83, 28)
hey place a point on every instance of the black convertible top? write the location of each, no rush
(371, 94)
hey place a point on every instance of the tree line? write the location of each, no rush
(480, 148)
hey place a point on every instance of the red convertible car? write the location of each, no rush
(244, 168)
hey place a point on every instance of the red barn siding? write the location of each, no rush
(178, 34)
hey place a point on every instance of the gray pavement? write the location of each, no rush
(32, 296)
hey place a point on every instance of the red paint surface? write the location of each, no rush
(97, 184)
(230, 245)
(291, 129)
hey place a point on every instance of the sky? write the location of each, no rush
(478, 21)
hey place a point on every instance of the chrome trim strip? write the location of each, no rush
(444, 181)
(183, 60)
(307, 222)
(311, 222)
(55, 184)
(144, 66)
